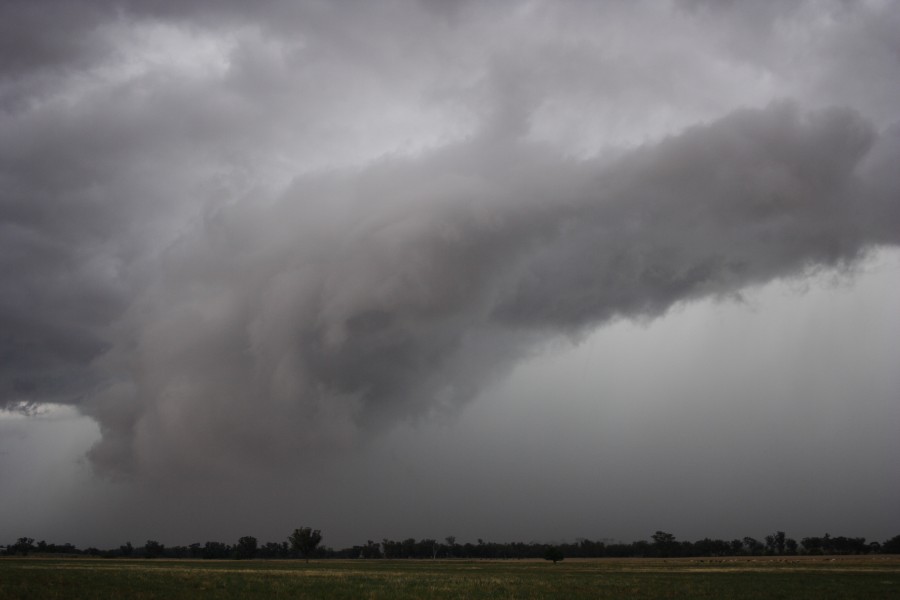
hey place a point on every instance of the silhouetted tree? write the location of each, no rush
(215, 550)
(753, 546)
(245, 548)
(553, 553)
(153, 549)
(846, 545)
(305, 540)
(23, 546)
(891, 546)
(427, 548)
(451, 543)
(790, 545)
(664, 543)
(812, 545)
(274, 550)
(775, 543)
(370, 550)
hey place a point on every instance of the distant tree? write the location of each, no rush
(812, 545)
(427, 548)
(753, 546)
(708, 547)
(213, 550)
(274, 550)
(23, 546)
(664, 543)
(891, 546)
(846, 545)
(589, 548)
(304, 541)
(153, 549)
(775, 543)
(554, 554)
(66, 548)
(780, 542)
(245, 548)
(790, 545)
(127, 549)
(639, 548)
(451, 542)
(391, 548)
(371, 550)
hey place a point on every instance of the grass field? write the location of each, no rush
(795, 579)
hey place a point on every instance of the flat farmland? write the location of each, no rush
(792, 578)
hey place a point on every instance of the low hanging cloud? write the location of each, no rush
(206, 252)
(359, 299)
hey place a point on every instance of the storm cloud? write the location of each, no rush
(354, 300)
(237, 236)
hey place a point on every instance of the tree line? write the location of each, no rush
(302, 543)
(305, 543)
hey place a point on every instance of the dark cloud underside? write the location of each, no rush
(241, 235)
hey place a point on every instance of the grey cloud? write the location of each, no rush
(360, 299)
(752, 197)
(30, 41)
(856, 48)
(187, 255)
(83, 198)
(880, 169)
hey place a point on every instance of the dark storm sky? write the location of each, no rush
(513, 270)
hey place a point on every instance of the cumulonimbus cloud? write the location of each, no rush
(358, 299)
(180, 261)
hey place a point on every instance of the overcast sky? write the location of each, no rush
(507, 270)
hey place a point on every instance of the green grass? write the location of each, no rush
(82, 578)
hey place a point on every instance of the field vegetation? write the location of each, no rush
(807, 577)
